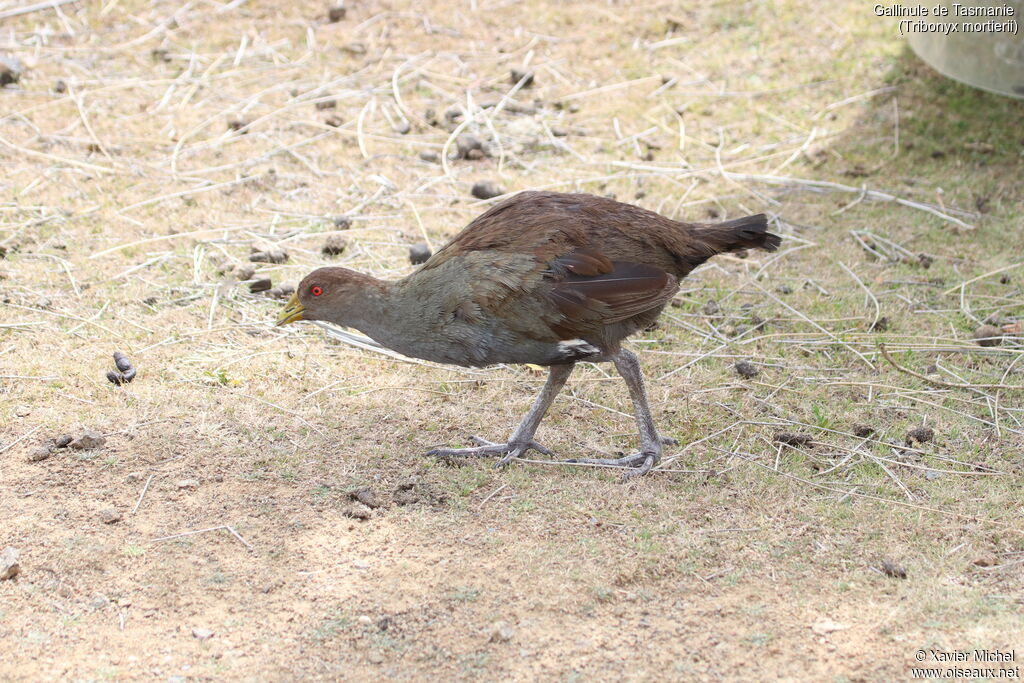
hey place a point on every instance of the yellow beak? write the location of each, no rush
(293, 311)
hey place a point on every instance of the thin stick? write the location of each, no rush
(143, 494)
(874, 300)
(419, 222)
(18, 11)
(203, 531)
(982, 277)
(947, 385)
(21, 438)
(60, 160)
(183, 193)
(869, 194)
(492, 494)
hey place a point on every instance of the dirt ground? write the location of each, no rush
(261, 506)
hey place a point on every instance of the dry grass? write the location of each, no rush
(127, 192)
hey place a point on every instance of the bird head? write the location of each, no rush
(325, 294)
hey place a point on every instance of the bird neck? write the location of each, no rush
(367, 305)
(392, 313)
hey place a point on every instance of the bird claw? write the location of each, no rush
(487, 449)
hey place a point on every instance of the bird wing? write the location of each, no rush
(588, 289)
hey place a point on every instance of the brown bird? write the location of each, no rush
(542, 277)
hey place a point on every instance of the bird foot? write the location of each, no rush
(639, 464)
(489, 449)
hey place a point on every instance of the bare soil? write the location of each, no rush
(218, 534)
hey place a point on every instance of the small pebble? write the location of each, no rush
(269, 256)
(122, 362)
(260, 285)
(87, 441)
(988, 335)
(429, 156)
(125, 373)
(342, 222)
(334, 245)
(419, 253)
(501, 632)
(863, 431)
(465, 144)
(880, 325)
(894, 570)
(243, 273)
(793, 439)
(190, 484)
(9, 567)
(710, 308)
(784, 289)
(202, 633)
(486, 190)
(327, 104)
(358, 511)
(746, 369)
(334, 121)
(110, 516)
(375, 657)
(517, 75)
(559, 131)
(99, 602)
(238, 125)
(453, 115)
(920, 434)
(22, 411)
(63, 440)
(516, 108)
(366, 496)
(11, 70)
(986, 560)
(41, 453)
(60, 87)
(403, 127)
(282, 292)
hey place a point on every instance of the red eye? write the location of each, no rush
(317, 290)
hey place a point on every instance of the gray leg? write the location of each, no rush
(522, 438)
(628, 366)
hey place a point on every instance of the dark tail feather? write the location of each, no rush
(706, 240)
(750, 232)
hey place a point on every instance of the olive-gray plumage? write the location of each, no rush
(541, 277)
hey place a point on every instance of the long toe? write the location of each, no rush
(486, 451)
(638, 464)
(489, 449)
